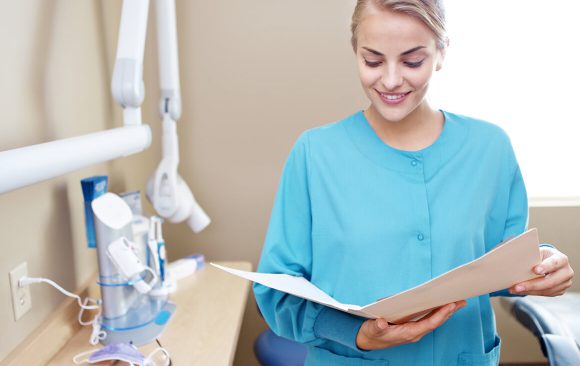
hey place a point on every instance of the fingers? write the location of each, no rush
(550, 285)
(378, 333)
(538, 284)
(555, 291)
(542, 290)
(437, 318)
(552, 261)
(557, 276)
(379, 326)
(370, 334)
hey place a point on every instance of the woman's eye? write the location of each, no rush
(372, 63)
(414, 64)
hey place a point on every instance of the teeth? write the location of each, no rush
(392, 97)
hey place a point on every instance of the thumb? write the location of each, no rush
(380, 325)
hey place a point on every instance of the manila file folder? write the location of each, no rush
(510, 262)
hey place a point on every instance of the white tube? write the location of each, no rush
(127, 83)
(168, 58)
(132, 30)
(167, 45)
(27, 165)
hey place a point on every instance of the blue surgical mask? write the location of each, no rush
(117, 352)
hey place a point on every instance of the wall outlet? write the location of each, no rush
(21, 300)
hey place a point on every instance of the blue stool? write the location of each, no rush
(273, 350)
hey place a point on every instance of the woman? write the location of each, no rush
(391, 197)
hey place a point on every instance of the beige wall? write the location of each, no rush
(53, 86)
(254, 75)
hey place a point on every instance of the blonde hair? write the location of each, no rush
(429, 12)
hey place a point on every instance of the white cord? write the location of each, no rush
(97, 334)
(81, 322)
(25, 281)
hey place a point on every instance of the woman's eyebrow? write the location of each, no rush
(402, 54)
(373, 51)
(412, 50)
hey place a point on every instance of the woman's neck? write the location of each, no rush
(416, 131)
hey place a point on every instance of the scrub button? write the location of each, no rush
(420, 237)
(414, 162)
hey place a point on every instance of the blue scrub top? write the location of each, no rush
(362, 220)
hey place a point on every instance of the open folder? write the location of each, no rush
(510, 262)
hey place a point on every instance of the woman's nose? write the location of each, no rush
(392, 78)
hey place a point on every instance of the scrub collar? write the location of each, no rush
(449, 141)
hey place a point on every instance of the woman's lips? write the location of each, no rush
(392, 98)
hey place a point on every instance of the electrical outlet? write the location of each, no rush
(21, 300)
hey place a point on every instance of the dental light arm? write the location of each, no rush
(36, 163)
(170, 102)
(167, 191)
(127, 84)
(162, 186)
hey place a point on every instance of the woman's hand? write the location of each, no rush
(379, 334)
(557, 276)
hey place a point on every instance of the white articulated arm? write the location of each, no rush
(127, 85)
(36, 163)
(168, 59)
(169, 193)
(31, 164)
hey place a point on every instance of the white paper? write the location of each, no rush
(509, 263)
(298, 286)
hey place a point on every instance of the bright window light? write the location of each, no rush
(516, 63)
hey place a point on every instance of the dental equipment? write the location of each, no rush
(32, 164)
(167, 191)
(124, 352)
(161, 251)
(129, 313)
(140, 223)
(122, 254)
(112, 222)
(158, 258)
(133, 199)
(184, 267)
(153, 253)
(92, 187)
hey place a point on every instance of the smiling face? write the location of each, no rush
(396, 55)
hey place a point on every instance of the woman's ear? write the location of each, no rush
(439, 62)
(441, 57)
